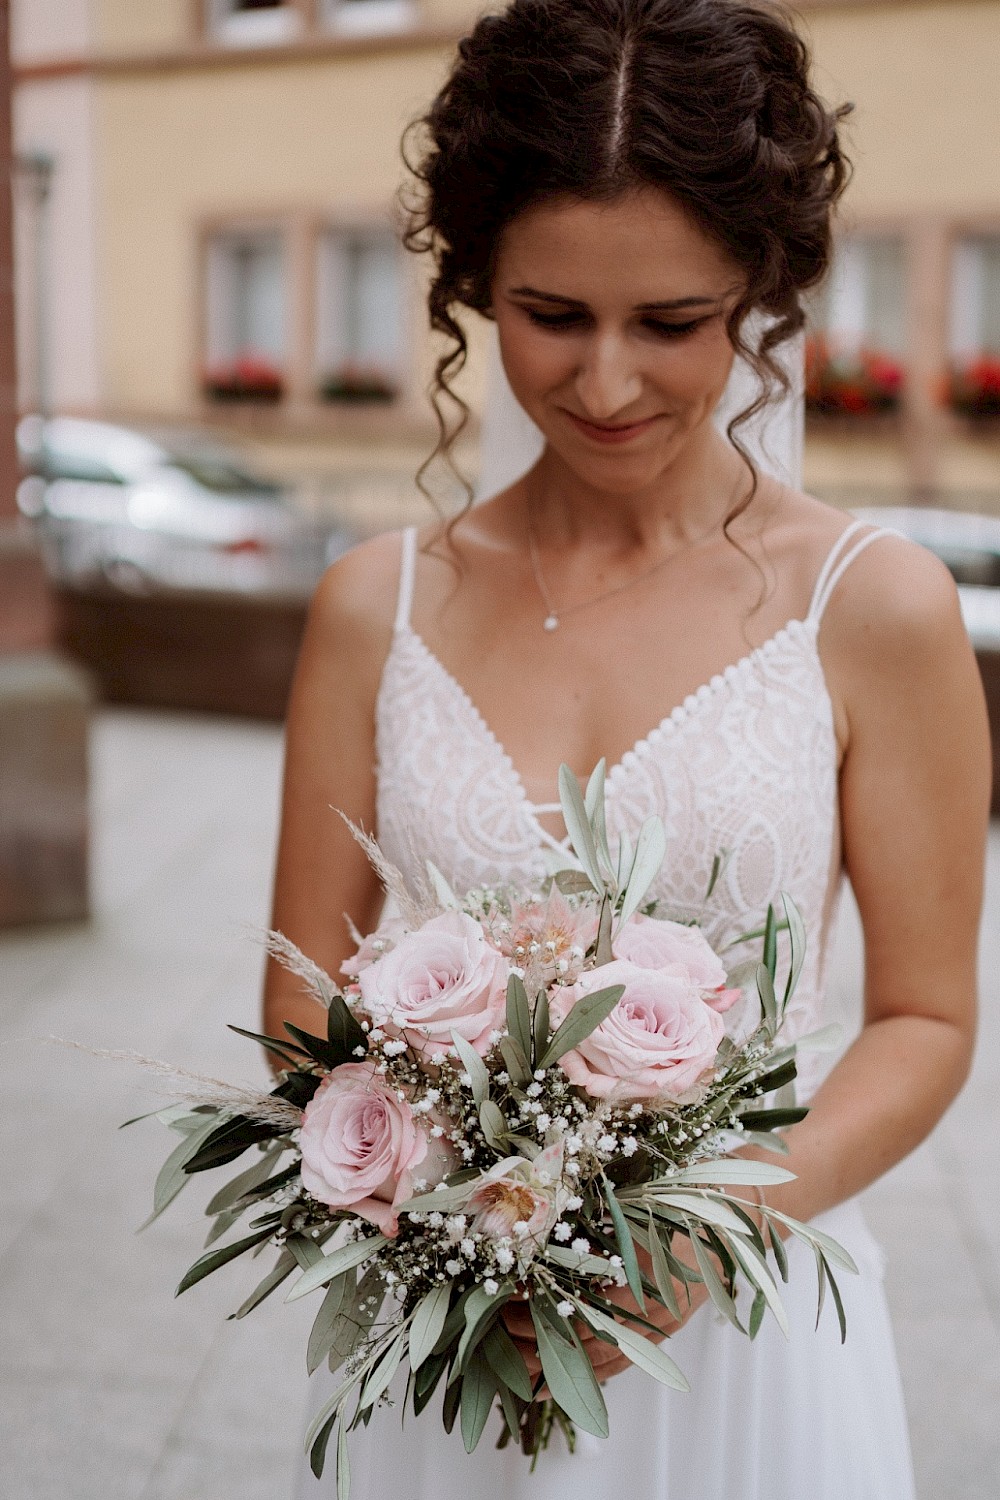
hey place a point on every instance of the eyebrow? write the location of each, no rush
(675, 305)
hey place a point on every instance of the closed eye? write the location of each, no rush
(569, 320)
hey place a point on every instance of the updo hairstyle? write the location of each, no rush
(707, 100)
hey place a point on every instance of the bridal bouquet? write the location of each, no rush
(518, 1094)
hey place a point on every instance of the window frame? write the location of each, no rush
(888, 401)
(360, 226)
(210, 232)
(886, 231)
(963, 230)
(301, 405)
(310, 21)
(301, 14)
(397, 17)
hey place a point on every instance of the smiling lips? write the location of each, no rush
(606, 434)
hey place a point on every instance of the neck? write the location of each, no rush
(687, 502)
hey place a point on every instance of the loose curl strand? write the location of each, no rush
(707, 100)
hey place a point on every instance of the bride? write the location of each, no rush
(632, 190)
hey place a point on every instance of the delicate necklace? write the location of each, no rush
(552, 619)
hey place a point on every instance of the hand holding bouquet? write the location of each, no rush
(521, 1098)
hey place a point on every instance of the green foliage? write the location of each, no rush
(519, 1017)
(428, 1321)
(343, 1030)
(343, 1259)
(585, 1016)
(625, 1246)
(507, 1361)
(216, 1258)
(568, 1372)
(479, 1387)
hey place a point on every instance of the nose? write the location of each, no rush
(608, 379)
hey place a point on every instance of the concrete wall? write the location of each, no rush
(42, 29)
(924, 81)
(183, 149)
(127, 26)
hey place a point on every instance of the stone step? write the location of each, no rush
(45, 705)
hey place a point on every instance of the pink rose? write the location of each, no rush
(676, 949)
(359, 1145)
(374, 946)
(444, 977)
(658, 1041)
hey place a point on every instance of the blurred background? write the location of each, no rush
(213, 365)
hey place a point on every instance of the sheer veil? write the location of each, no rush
(511, 442)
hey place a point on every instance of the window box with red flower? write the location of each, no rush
(972, 387)
(248, 377)
(358, 385)
(858, 382)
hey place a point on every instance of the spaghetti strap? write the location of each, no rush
(407, 567)
(838, 560)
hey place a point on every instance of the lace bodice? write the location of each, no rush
(746, 767)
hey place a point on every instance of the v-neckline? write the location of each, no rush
(681, 712)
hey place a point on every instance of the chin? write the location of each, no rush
(619, 473)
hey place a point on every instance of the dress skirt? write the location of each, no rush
(806, 1418)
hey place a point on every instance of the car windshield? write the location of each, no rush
(214, 472)
(971, 568)
(100, 452)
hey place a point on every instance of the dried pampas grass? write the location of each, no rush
(199, 1088)
(316, 980)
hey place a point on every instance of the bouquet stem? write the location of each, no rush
(536, 1429)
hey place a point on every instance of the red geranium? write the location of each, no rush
(247, 377)
(855, 382)
(973, 388)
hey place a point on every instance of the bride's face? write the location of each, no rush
(611, 319)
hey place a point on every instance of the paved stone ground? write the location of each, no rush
(110, 1390)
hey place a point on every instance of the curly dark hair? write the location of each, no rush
(708, 100)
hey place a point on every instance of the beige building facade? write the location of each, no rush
(222, 236)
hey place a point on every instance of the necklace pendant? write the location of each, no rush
(550, 622)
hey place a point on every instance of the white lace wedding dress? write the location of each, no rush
(746, 764)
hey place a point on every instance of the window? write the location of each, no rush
(974, 334)
(862, 304)
(246, 316)
(368, 17)
(975, 297)
(858, 327)
(360, 343)
(253, 23)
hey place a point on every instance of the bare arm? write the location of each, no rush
(914, 798)
(321, 872)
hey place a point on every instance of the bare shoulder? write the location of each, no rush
(896, 656)
(357, 593)
(896, 606)
(348, 633)
(894, 594)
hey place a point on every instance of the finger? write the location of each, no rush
(517, 1320)
(601, 1355)
(528, 1350)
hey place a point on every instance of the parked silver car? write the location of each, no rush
(118, 509)
(969, 546)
